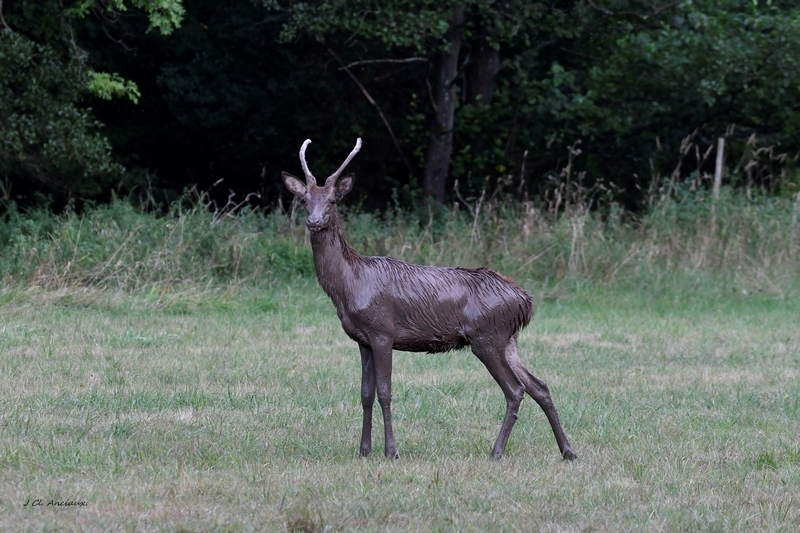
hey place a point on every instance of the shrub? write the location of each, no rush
(734, 243)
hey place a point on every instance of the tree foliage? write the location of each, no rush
(713, 72)
(45, 135)
(50, 139)
(621, 95)
(163, 15)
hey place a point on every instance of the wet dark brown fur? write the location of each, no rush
(385, 304)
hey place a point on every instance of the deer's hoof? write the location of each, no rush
(568, 454)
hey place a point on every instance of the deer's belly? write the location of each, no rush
(431, 337)
(430, 345)
(417, 337)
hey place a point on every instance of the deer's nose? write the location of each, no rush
(314, 223)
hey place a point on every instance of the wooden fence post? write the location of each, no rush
(718, 169)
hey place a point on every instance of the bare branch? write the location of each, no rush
(66, 24)
(310, 179)
(390, 74)
(118, 41)
(373, 61)
(360, 23)
(377, 108)
(2, 20)
(579, 54)
(333, 177)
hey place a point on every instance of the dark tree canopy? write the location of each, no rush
(149, 97)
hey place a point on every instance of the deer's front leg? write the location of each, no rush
(382, 356)
(367, 398)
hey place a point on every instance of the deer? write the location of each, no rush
(386, 304)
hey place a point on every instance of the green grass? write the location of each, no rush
(185, 372)
(238, 410)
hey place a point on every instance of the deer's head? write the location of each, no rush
(320, 202)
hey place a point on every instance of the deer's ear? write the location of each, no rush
(344, 186)
(296, 186)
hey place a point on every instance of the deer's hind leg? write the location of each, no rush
(492, 356)
(538, 390)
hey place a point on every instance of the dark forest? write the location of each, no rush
(146, 98)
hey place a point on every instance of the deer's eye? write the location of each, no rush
(333, 202)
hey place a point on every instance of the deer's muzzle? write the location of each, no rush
(315, 225)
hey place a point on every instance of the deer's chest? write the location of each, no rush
(352, 326)
(362, 316)
(348, 325)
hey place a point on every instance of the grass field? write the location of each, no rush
(240, 411)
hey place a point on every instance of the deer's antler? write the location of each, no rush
(333, 177)
(310, 179)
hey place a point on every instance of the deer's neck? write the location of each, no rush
(334, 261)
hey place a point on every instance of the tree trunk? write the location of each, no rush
(440, 146)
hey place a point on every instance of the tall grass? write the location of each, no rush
(733, 244)
(121, 247)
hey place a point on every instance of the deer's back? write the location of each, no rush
(431, 309)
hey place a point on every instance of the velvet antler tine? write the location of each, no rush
(333, 177)
(310, 179)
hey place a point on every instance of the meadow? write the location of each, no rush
(187, 373)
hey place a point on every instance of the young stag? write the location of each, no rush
(385, 304)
